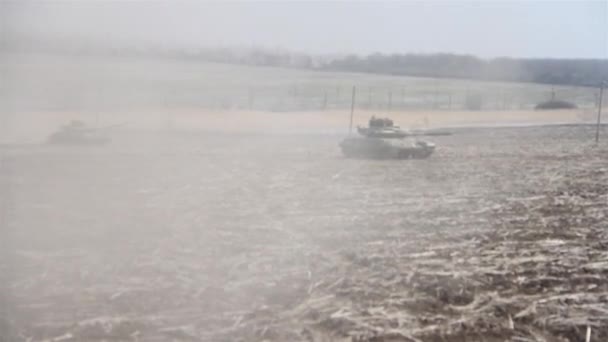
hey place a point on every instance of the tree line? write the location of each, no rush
(578, 72)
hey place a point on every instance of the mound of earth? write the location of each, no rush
(555, 104)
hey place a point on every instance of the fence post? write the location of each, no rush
(599, 113)
(250, 98)
(436, 100)
(352, 110)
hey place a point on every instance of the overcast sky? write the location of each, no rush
(563, 29)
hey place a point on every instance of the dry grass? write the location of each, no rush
(498, 236)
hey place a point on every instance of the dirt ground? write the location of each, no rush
(500, 235)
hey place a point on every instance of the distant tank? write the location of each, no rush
(77, 133)
(383, 140)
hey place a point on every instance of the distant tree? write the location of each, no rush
(555, 104)
(550, 71)
(582, 72)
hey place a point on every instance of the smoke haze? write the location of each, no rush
(556, 29)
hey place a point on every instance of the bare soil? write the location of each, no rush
(500, 235)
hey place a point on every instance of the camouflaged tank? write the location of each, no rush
(77, 133)
(383, 140)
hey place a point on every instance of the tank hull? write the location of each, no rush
(76, 139)
(378, 148)
(389, 132)
(77, 133)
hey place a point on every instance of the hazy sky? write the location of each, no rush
(559, 29)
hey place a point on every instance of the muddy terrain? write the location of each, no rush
(499, 235)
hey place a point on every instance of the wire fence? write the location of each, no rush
(306, 98)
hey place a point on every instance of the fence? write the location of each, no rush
(306, 97)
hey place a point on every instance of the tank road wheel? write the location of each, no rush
(404, 155)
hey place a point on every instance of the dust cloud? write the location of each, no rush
(147, 193)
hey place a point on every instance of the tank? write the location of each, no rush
(383, 140)
(77, 133)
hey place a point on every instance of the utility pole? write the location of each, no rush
(250, 98)
(352, 110)
(599, 113)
